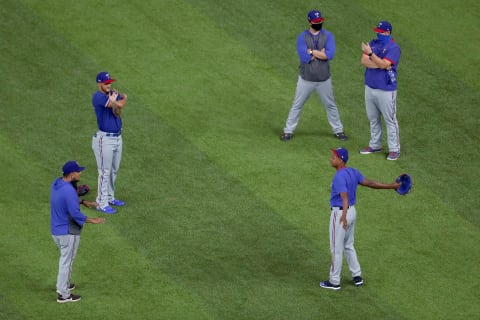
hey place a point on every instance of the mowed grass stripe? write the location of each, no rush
(226, 307)
(436, 104)
(215, 237)
(111, 275)
(150, 141)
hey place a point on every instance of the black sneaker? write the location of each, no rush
(70, 287)
(286, 136)
(328, 285)
(358, 281)
(71, 298)
(340, 136)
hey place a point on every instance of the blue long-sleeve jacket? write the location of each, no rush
(64, 207)
(302, 46)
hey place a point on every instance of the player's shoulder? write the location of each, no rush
(351, 170)
(99, 97)
(393, 44)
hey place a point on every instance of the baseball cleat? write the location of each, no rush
(328, 285)
(341, 136)
(358, 281)
(107, 210)
(369, 150)
(393, 156)
(286, 136)
(116, 202)
(71, 298)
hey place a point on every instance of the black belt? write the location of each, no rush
(110, 134)
(340, 208)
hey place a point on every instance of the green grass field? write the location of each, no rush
(223, 220)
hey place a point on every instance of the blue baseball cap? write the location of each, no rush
(383, 26)
(315, 16)
(104, 77)
(342, 153)
(71, 166)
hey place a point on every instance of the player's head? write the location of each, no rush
(104, 81)
(71, 168)
(104, 77)
(315, 19)
(339, 155)
(383, 27)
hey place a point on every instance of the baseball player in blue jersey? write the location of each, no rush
(66, 223)
(381, 57)
(107, 142)
(344, 215)
(315, 48)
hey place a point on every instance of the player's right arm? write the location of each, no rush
(379, 185)
(371, 60)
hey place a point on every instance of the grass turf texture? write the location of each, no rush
(223, 220)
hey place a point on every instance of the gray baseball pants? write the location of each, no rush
(108, 153)
(68, 246)
(382, 103)
(324, 91)
(341, 241)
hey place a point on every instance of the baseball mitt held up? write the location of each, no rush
(82, 190)
(406, 184)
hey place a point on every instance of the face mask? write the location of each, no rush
(383, 38)
(317, 26)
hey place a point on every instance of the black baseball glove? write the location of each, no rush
(82, 190)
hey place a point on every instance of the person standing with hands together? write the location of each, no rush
(343, 217)
(66, 223)
(381, 57)
(315, 48)
(107, 142)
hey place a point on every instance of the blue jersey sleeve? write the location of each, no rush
(73, 207)
(302, 48)
(393, 55)
(330, 46)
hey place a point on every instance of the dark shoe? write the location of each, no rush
(393, 156)
(358, 281)
(71, 298)
(328, 285)
(286, 136)
(70, 287)
(369, 150)
(341, 136)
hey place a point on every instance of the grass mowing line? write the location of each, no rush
(439, 44)
(409, 241)
(219, 293)
(112, 274)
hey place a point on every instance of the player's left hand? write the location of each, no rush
(343, 221)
